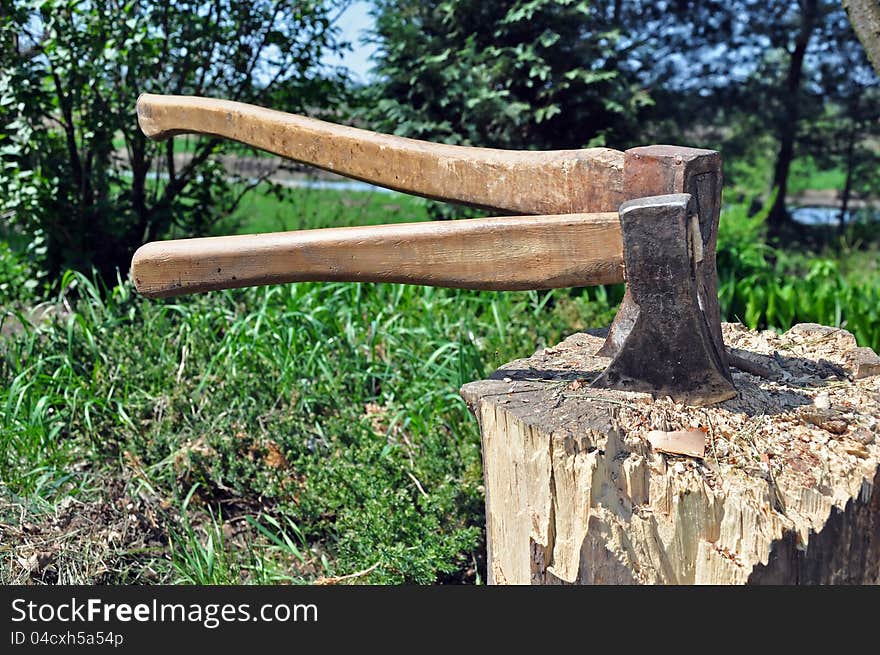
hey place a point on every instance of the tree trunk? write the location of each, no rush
(847, 187)
(787, 490)
(788, 121)
(864, 16)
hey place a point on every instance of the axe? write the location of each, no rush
(647, 216)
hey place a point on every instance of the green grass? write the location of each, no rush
(322, 420)
(750, 175)
(303, 208)
(805, 175)
(766, 287)
(289, 434)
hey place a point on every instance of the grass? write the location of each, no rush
(301, 433)
(805, 175)
(766, 287)
(750, 174)
(305, 208)
(281, 434)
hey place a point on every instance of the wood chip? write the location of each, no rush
(858, 450)
(863, 362)
(679, 442)
(833, 422)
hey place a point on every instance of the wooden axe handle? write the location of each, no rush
(508, 253)
(524, 182)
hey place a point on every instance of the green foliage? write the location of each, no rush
(541, 74)
(330, 407)
(76, 173)
(20, 281)
(770, 287)
(202, 554)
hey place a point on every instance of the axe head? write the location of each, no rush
(667, 339)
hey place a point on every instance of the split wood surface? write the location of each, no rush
(506, 253)
(526, 182)
(787, 490)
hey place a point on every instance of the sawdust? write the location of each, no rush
(797, 426)
(809, 419)
(795, 452)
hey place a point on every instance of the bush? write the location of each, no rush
(75, 169)
(21, 282)
(763, 286)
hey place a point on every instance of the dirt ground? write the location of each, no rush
(108, 536)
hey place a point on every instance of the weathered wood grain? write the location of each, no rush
(526, 182)
(506, 253)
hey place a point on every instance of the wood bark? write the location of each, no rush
(788, 490)
(864, 16)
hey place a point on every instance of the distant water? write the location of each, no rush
(816, 215)
(332, 185)
(299, 183)
(831, 215)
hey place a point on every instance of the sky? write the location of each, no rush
(352, 23)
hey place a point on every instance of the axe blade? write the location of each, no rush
(669, 347)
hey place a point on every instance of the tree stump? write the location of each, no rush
(787, 490)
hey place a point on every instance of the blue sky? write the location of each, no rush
(352, 23)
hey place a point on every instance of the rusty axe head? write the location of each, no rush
(666, 343)
(666, 339)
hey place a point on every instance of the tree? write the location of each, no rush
(752, 68)
(845, 134)
(558, 74)
(75, 170)
(813, 67)
(539, 74)
(794, 46)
